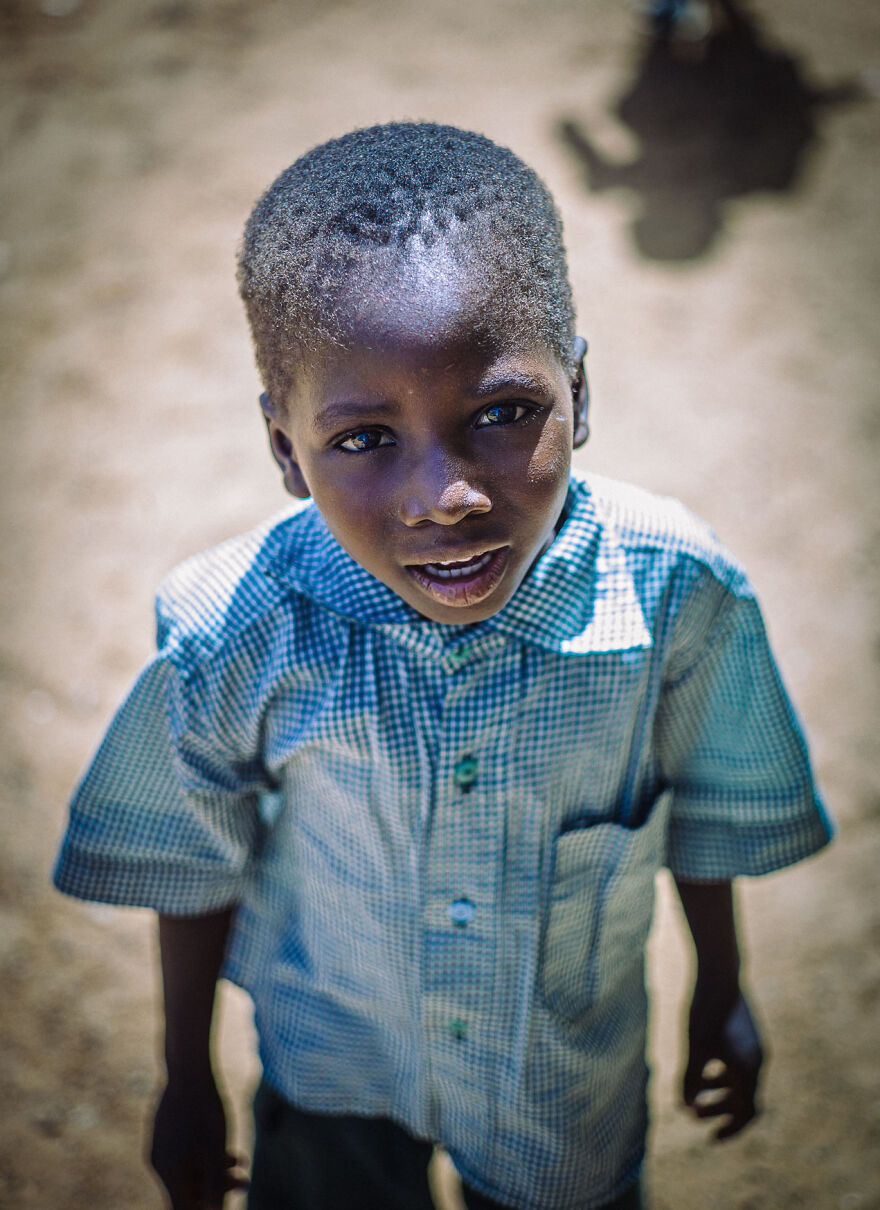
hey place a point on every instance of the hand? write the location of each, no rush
(725, 1060)
(189, 1146)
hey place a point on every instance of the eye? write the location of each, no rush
(502, 413)
(364, 440)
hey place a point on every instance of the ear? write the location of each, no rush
(282, 451)
(580, 394)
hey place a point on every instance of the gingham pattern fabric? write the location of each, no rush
(443, 839)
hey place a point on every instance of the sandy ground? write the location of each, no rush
(720, 208)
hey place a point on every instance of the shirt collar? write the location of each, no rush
(579, 597)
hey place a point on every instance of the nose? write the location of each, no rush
(443, 490)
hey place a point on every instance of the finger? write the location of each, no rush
(693, 1082)
(697, 1082)
(717, 1107)
(721, 1080)
(235, 1179)
(214, 1191)
(734, 1126)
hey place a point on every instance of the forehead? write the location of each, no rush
(436, 301)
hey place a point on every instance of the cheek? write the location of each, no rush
(551, 457)
(354, 515)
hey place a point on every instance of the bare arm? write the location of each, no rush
(189, 1133)
(721, 1031)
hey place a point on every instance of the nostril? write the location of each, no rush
(447, 509)
(440, 489)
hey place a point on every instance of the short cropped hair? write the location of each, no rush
(351, 201)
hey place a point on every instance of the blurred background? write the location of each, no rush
(719, 192)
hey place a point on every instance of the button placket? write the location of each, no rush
(461, 874)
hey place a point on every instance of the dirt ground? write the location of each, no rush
(720, 208)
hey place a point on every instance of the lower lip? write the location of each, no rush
(463, 590)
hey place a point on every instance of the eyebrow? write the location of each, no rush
(352, 411)
(534, 383)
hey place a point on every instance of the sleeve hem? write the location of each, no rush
(712, 851)
(170, 887)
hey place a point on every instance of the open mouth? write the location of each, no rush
(458, 582)
(457, 569)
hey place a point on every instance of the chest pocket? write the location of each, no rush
(601, 902)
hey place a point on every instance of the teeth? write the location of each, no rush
(454, 569)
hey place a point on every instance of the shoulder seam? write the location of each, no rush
(696, 542)
(193, 651)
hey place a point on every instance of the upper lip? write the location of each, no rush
(455, 555)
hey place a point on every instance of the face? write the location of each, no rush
(435, 443)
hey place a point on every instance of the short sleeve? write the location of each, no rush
(162, 818)
(729, 745)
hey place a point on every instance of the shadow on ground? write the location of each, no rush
(717, 119)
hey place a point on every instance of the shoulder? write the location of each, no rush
(661, 531)
(214, 599)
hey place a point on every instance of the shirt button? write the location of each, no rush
(461, 912)
(465, 772)
(457, 1028)
(460, 656)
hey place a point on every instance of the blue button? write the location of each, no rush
(465, 772)
(461, 912)
(457, 1028)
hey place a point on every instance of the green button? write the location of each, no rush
(460, 656)
(458, 1028)
(465, 772)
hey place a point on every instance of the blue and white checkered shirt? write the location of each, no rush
(443, 839)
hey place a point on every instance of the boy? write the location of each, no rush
(408, 759)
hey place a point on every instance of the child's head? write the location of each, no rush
(388, 193)
(408, 297)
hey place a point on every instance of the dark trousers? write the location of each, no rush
(309, 1161)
